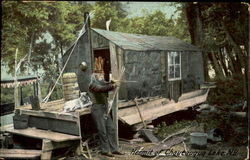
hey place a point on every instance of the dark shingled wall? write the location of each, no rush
(143, 67)
(99, 41)
(146, 68)
(80, 53)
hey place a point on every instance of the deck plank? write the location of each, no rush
(42, 134)
(49, 114)
(19, 153)
(155, 109)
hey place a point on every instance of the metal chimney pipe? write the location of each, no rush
(86, 15)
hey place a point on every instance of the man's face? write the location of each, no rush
(99, 76)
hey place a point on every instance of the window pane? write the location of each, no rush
(177, 58)
(170, 58)
(171, 72)
(177, 71)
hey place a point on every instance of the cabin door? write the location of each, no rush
(102, 63)
(173, 75)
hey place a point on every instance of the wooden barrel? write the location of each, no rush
(70, 86)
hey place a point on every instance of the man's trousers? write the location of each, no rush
(105, 127)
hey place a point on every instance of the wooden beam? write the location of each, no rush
(148, 134)
(115, 74)
(56, 125)
(46, 114)
(50, 145)
(19, 153)
(46, 154)
(144, 124)
(155, 109)
(42, 134)
(139, 101)
(137, 127)
(192, 94)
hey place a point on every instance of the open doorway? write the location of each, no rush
(102, 63)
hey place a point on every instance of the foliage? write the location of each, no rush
(227, 92)
(27, 25)
(103, 11)
(228, 125)
(156, 24)
(19, 20)
(7, 95)
(30, 22)
(224, 27)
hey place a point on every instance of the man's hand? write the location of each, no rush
(117, 84)
(114, 80)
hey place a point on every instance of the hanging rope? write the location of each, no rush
(45, 100)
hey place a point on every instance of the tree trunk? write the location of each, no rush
(230, 60)
(223, 63)
(61, 49)
(216, 66)
(239, 54)
(16, 95)
(30, 50)
(49, 87)
(193, 14)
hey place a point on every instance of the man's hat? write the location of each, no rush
(83, 66)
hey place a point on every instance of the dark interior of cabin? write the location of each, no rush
(102, 62)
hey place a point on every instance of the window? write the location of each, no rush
(174, 66)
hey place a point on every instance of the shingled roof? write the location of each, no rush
(143, 42)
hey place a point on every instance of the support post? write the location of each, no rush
(39, 92)
(115, 118)
(34, 89)
(46, 153)
(21, 96)
(115, 74)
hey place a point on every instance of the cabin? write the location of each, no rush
(163, 69)
(155, 65)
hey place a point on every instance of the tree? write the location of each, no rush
(103, 11)
(224, 27)
(225, 37)
(30, 23)
(151, 24)
(21, 22)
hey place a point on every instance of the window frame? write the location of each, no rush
(169, 56)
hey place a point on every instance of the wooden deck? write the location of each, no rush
(20, 153)
(41, 134)
(160, 107)
(50, 141)
(151, 108)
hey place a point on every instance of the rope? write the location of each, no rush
(80, 34)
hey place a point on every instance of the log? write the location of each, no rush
(149, 135)
(238, 114)
(177, 133)
(139, 126)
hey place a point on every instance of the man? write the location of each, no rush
(99, 93)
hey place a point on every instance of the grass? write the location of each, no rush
(162, 130)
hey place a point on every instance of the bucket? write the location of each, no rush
(198, 140)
